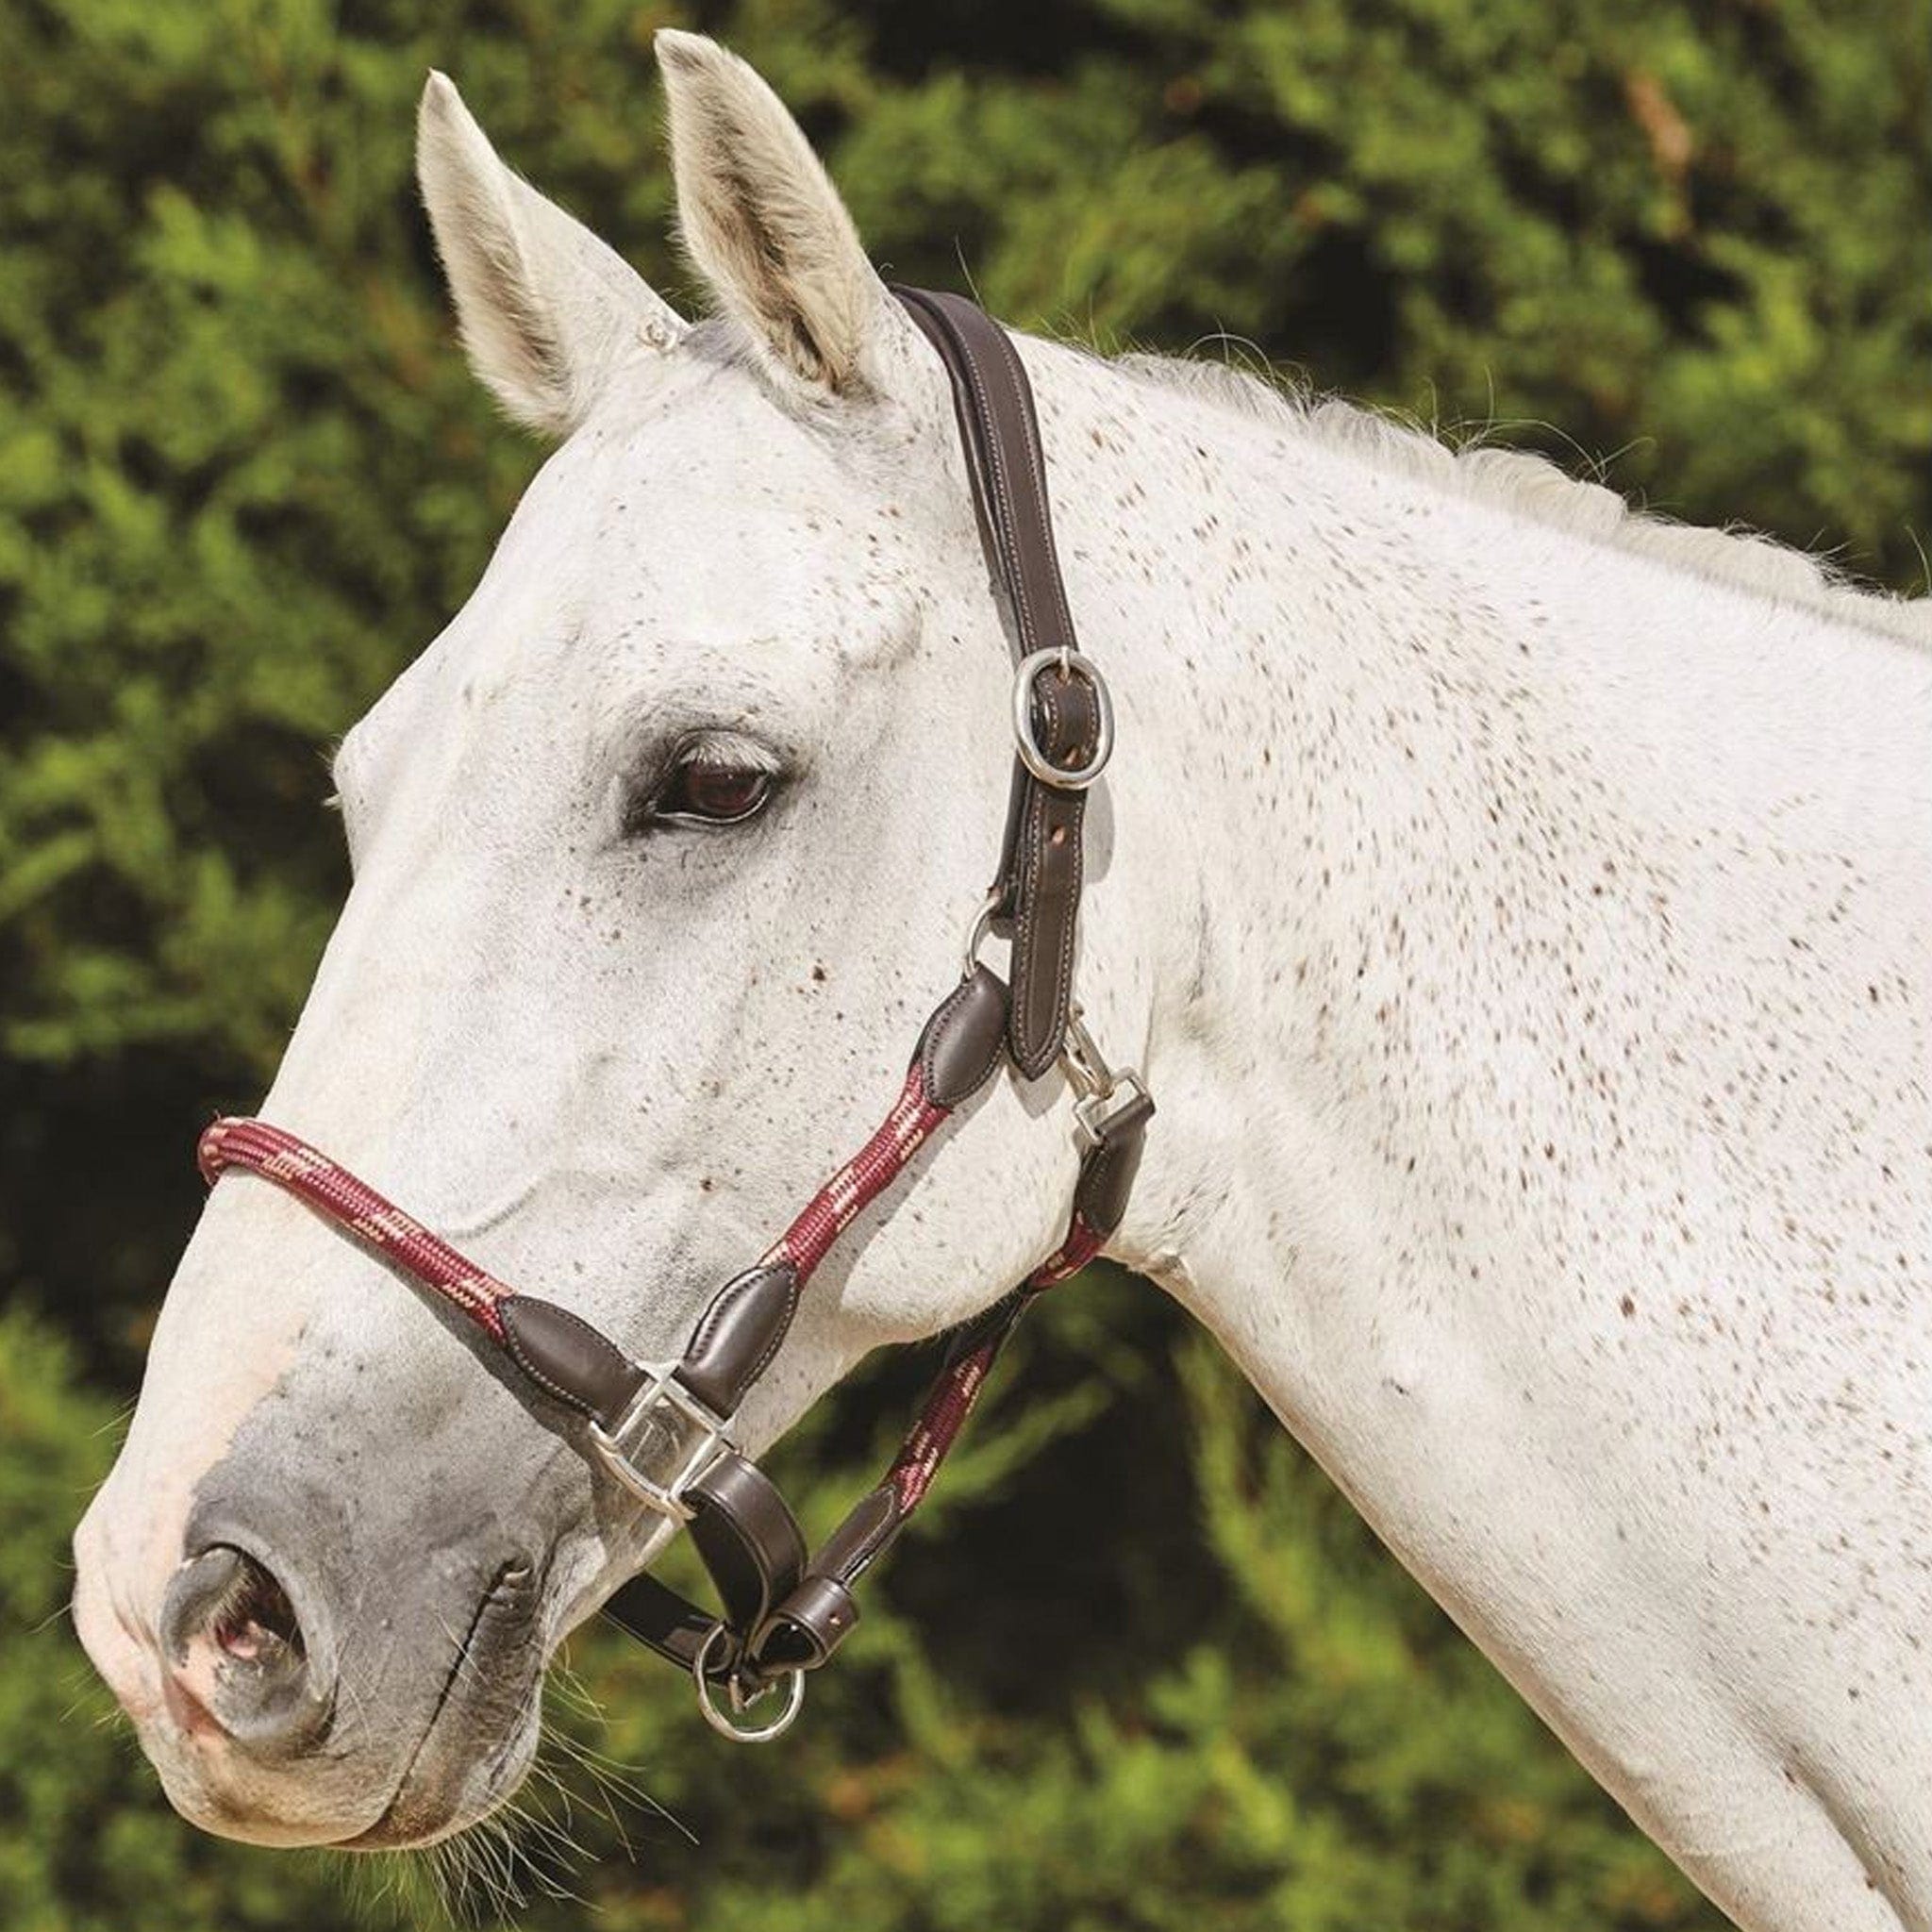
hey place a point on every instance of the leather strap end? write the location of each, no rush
(669, 1623)
(738, 1335)
(806, 1629)
(869, 1527)
(1109, 1172)
(959, 1046)
(567, 1359)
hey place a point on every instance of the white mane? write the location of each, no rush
(1532, 485)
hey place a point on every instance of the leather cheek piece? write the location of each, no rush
(567, 1359)
(960, 1046)
(738, 1335)
(1046, 865)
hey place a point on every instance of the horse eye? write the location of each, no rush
(712, 793)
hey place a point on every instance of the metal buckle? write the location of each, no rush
(1067, 663)
(663, 1425)
(721, 1723)
(1096, 1083)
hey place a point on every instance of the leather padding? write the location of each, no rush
(961, 1045)
(749, 1540)
(738, 1335)
(568, 1359)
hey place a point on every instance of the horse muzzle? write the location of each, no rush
(282, 1705)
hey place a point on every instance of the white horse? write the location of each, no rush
(1523, 910)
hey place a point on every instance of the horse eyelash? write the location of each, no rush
(727, 749)
(719, 747)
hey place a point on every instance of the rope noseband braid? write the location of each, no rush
(663, 1429)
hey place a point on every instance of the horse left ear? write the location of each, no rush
(547, 312)
(766, 229)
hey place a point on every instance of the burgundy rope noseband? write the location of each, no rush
(663, 1429)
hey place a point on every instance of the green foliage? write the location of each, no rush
(244, 477)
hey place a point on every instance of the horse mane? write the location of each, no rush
(1531, 485)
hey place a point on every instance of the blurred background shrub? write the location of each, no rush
(245, 477)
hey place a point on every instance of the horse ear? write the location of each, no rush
(766, 229)
(545, 311)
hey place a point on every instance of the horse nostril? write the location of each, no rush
(254, 1621)
(238, 1651)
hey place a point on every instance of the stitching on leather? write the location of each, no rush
(1035, 461)
(1003, 499)
(956, 352)
(1090, 743)
(1077, 818)
(862, 1557)
(935, 1029)
(1066, 921)
(569, 1397)
(1027, 920)
(1095, 1183)
(1029, 630)
(778, 1334)
(928, 1055)
(721, 1305)
(1029, 1040)
(713, 1318)
(1077, 813)
(1027, 929)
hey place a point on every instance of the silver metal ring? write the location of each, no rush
(982, 925)
(1067, 663)
(721, 1723)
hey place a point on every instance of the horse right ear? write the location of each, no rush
(545, 311)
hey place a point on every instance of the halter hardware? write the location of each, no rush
(720, 1722)
(1104, 1092)
(663, 1416)
(1066, 664)
(663, 1429)
(981, 929)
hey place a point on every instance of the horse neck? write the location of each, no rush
(1434, 925)
(1541, 1018)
